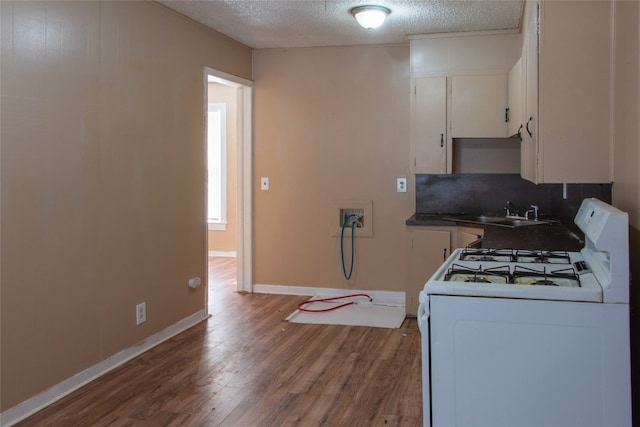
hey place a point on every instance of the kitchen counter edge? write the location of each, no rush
(552, 236)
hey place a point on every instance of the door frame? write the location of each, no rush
(244, 238)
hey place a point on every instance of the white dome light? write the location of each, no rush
(370, 17)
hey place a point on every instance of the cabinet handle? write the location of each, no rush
(444, 254)
(529, 131)
(441, 140)
(520, 133)
(506, 115)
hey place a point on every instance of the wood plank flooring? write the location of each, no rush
(246, 366)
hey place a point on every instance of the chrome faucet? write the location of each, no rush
(534, 209)
(511, 209)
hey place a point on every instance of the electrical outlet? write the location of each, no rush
(141, 313)
(264, 183)
(401, 185)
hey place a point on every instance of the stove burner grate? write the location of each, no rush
(542, 257)
(477, 254)
(461, 273)
(566, 277)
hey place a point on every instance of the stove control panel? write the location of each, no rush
(606, 249)
(581, 267)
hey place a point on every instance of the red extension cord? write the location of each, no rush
(311, 301)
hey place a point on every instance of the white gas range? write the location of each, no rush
(531, 338)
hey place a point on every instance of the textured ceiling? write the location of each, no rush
(305, 23)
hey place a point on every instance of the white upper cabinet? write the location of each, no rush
(558, 94)
(429, 125)
(515, 99)
(464, 53)
(567, 56)
(458, 90)
(529, 145)
(478, 106)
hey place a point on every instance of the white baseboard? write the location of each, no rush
(390, 297)
(60, 390)
(224, 254)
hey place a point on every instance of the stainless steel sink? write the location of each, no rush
(482, 219)
(495, 220)
(519, 222)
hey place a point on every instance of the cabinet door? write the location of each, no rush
(516, 99)
(427, 250)
(529, 145)
(567, 51)
(429, 125)
(468, 235)
(478, 106)
(574, 93)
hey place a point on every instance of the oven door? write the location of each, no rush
(507, 362)
(423, 325)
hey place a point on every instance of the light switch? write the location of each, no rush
(401, 185)
(264, 183)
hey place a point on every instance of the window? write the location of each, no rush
(217, 166)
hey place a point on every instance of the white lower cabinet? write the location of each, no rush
(427, 248)
(469, 235)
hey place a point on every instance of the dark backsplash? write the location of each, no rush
(488, 194)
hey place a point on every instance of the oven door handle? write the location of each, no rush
(422, 315)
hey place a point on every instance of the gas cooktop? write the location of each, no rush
(598, 273)
(530, 274)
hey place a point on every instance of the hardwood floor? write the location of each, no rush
(246, 366)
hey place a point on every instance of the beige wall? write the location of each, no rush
(626, 188)
(225, 240)
(330, 124)
(102, 180)
(102, 172)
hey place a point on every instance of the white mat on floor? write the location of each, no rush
(374, 314)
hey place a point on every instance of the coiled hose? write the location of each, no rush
(353, 244)
(344, 271)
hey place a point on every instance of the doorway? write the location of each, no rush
(228, 135)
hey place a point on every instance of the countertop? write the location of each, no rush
(552, 236)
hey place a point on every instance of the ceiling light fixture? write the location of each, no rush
(370, 17)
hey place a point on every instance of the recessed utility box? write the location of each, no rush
(348, 217)
(363, 209)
